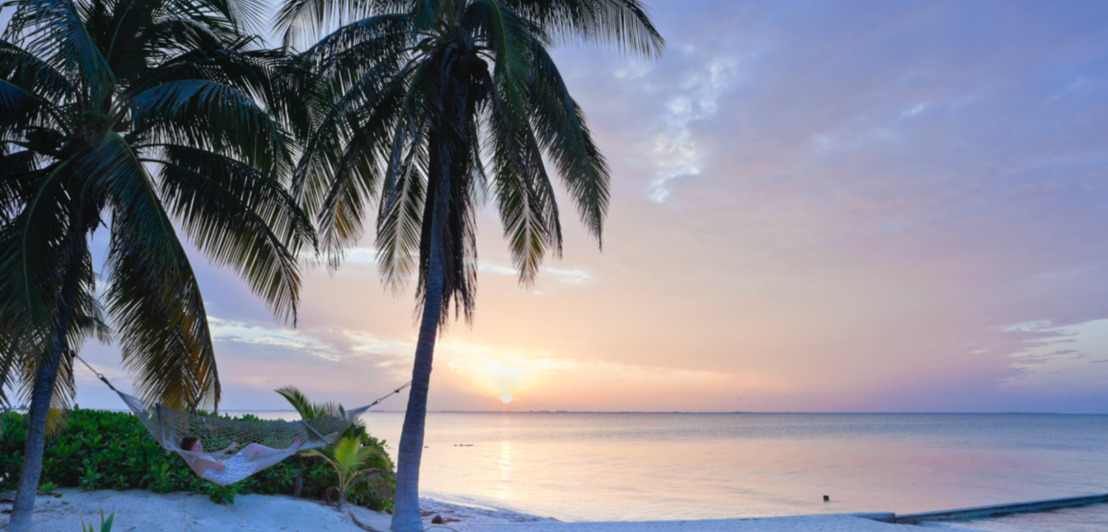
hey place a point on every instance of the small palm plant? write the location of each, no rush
(347, 457)
(305, 407)
(328, 419)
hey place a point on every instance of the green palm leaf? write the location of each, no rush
(153, 293)
(562, 133)
(200, 112)
(23, 69)
(239, 218)
(55, 32)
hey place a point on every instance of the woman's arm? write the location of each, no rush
(200, 465)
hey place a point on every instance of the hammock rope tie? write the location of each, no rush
(97, 373)
(256, 444)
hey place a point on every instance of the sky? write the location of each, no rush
(816, 206)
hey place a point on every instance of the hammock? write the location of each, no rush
(257, 444)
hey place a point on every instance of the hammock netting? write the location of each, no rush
(258, 444)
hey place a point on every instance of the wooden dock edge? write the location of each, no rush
(981, 512)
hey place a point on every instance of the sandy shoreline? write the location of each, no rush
(140, 510)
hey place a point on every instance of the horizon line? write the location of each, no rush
(687, 412)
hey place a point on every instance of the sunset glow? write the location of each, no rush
(912, 221)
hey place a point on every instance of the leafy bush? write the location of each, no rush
(112, 450)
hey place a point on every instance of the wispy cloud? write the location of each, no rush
(675, 152)
(1059, 356)
(259, 335)
(571, 276)
(361, 255)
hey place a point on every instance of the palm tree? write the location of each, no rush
(144, 117)
(434, 105)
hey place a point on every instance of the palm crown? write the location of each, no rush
(457, 98)
(142, 116)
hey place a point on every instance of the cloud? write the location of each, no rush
(239, 332)
(1058, 358)
(328, 344)
(368, 343)
(914, 110)
(571, 276)
(675, 152)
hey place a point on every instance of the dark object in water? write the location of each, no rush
(826, 498)
(437, 520)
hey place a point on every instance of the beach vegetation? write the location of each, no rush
(348, 457)
(432, 106)
(81, 456)
(105, 523)
(140, 120)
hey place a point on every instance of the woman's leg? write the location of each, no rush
(256, 450)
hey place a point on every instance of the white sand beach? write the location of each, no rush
(140, 511)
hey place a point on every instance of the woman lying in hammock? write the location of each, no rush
(214, 470)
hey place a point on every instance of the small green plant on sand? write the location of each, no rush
(348, 456)
(105, 523)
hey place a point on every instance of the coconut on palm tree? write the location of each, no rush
(143, 118)
(434, 104)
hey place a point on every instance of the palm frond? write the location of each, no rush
(68, 326)
(239, 218)
(528, 208)
(23, 69)
(624, 23)
(564, 136)
(31, 248)
(18, 176)
(53, 31)
(298, 400)
(213, 115)
(18, 106)
(301, 21)
(153, 296)
(399, 221)
(342, 161)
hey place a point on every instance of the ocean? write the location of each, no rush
(665, 466)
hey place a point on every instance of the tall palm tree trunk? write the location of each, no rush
(444, 142)
(406, 516)
(43, 390)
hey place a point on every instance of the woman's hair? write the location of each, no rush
(187, 442)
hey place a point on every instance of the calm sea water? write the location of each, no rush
(637, 466)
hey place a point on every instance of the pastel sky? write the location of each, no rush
(816, 206)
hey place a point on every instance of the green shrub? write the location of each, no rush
(112, 450)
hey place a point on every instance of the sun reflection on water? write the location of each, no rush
(505, 463)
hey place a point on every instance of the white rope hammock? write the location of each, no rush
(244, 447)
